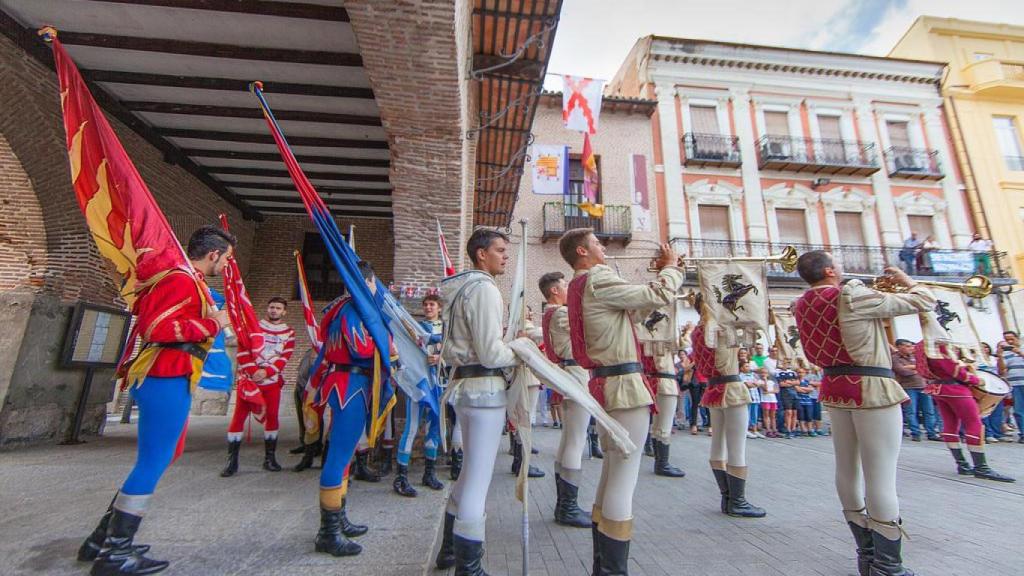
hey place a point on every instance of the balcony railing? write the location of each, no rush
(913, 163)
(817, 156)
(711, 150)
(996, 78)
(943, 263)
(617, 223)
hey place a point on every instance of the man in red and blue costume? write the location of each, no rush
(352, 386)
(177, 326)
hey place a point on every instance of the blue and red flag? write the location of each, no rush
(347, 264)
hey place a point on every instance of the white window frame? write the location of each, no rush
(849, 199)
(719, 104)
(792, 109)
(796, 197)
(921, 203)
(704, 192)
(915, 130)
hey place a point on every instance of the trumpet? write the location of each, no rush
(976, 286)
(787, 259)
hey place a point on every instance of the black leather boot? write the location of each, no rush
(865, 548)
(312, 450)
(90, 549)
(270, 455)
(738, 505)
(888, 560)
(300, 449)
(348, 528)
(962, 467)
(723, 488)
(596, 545)
(661, 465)
(567, 510)
(649, 447)
(385, 465)
(981, 469)
(446, 553)
(118, 556)
(517, 457)
(401, 483)
(469, 556)
(330, 540)
(613, 558)
(456, 468)
(362, 466)
(430, 476)
(595, 446)
(232, 468)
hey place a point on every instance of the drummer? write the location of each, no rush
(951, 383)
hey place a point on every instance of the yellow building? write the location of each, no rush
(984, 98)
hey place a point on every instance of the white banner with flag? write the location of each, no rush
(949, 322)
(736, 296)
(550, 169)
(581, 103)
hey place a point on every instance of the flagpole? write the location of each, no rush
(528, 446)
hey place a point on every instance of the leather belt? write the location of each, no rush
(667, 375)
(723, 379)
(568, 362)
(851, 370)
(353, 369)
(189, 348)
(617, 370)
(476, 371)
(947, 381)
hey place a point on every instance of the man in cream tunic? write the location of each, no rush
(603, 339)
(842, 330)
(667, 390)
(474, 348)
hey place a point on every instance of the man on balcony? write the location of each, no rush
(908, 254)
(982, 249)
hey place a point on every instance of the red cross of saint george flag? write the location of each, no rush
(581, 109)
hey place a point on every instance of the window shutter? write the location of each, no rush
(792, 225)
(714, 222)
(776, 123)
(705, 119)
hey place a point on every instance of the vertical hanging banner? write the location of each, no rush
(590, 203)
(581, 103)
(550, 170)
(641, 211)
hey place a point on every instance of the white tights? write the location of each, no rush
(481, 434)
(661, 428)
(867, 447)
(618, 473)
(729, 435)
(574, 435)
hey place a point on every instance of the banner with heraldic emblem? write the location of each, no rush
(736, 299)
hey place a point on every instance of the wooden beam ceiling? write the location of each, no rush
(312, 174)
(259, 7)
(321, 189)
(251, 112)
(275, 157)
(268, 139)
(227, 84)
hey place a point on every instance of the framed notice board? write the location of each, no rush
(95, 337)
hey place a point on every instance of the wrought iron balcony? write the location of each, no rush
(817, 156)
(913, 163)
(711, 150)
(616, 225)
(942, 263)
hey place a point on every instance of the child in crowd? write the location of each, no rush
(805, 404)
(814, 379)
(754, 384)
(769, 403)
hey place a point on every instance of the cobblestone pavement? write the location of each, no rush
(263, 523)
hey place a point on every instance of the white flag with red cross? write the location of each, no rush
(581, 103)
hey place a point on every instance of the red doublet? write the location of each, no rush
(817, 318)
(704, 363)
(948, 376)
(545, 324)
(171, 311)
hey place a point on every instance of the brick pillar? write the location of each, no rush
(417, 54)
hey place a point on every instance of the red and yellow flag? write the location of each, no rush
(589, 162)
(124, 219)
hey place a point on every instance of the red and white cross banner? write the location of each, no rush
(581, 103)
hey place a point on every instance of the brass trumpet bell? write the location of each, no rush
(976, 286)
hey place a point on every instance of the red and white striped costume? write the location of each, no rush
(279, 343)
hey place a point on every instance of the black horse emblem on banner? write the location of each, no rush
(734, 290)
(651, 323)
(945, 315)
(793, 337)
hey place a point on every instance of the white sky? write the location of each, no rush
(594, 36)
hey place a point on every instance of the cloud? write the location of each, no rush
(594, 36)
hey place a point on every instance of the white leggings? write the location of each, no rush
(618, 473)
(867, 447)
(574, 435)
(729, 435)
(481, 433)
(661, 428)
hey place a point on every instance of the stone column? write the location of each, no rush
(675, 206)
(757, 226)
(879, 180)
(959, 226)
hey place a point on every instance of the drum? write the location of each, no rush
(990, 393)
